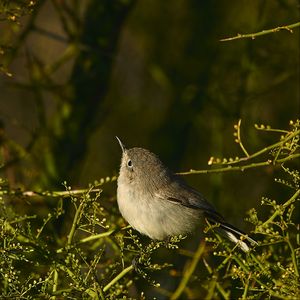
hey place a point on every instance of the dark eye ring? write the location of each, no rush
(129, 163)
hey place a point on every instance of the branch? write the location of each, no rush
(278, 212)
(240, 163)
(118, 277)
(189, 272)
(263, 32)
(240, 168)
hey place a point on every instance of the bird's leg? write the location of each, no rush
(135, 263)
(167, 242)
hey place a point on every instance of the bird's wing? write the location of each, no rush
(180, 193)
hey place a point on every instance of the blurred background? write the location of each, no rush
(156, 74)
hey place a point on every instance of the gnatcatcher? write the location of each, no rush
(159, 204)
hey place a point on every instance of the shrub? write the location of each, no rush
(87, 252)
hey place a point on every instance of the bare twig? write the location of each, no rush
(263, 32)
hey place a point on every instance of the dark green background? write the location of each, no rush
(156, 74)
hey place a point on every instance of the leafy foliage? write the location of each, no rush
(98, 258)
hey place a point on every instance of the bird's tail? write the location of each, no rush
(232, 233)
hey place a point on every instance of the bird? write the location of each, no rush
(159, 204)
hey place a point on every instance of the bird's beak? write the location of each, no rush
(121, 145)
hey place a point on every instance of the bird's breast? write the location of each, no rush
(153, 216)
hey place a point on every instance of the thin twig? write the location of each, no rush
(96, 236)
(117, 278)
(55, 283)
(239, 140)
(263, 32)
(288, 137)
(189, 271)
(294, 257)
(229, 167)
(218, 285)
(75, 222)
(277, 212)
(244, 296)
(240, 168)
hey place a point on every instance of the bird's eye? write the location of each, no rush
(129, 163)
